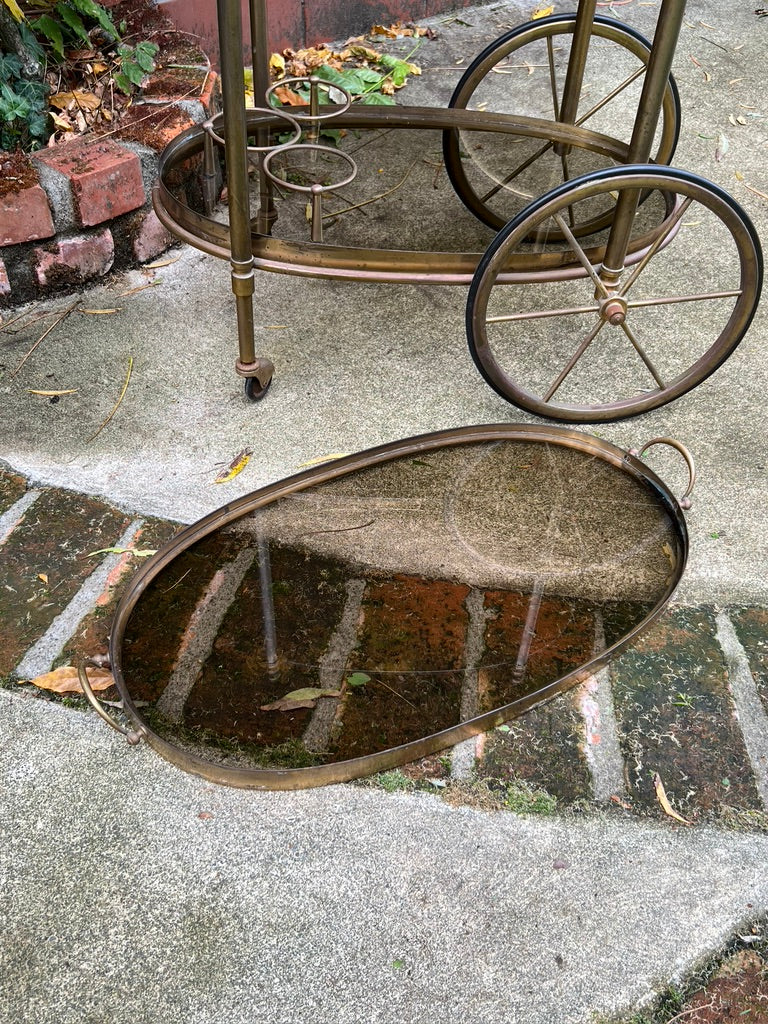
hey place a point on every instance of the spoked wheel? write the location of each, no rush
(602, 347)
(523, 72)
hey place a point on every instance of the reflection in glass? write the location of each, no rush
(414, 595)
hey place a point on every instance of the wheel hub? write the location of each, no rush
(614, 310)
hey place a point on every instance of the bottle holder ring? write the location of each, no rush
(316, 188)
(316, 85)
(291, 122)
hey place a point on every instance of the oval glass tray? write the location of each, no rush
(375, 609)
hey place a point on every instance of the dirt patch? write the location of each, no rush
(17, 173)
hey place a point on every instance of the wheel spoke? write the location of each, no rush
(539, 314)
(643, 355)
(504, 183)
(666, 300)
(611, 95)
(671, 225)
(586, 342)
(580, 254)
(552, 78)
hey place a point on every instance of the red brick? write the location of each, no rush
(76, 259)
(5, 284)
(151, 238)
(25, 216)
(105, 179)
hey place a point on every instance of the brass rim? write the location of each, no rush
(499, 51)
(343, 771)
(687, 188)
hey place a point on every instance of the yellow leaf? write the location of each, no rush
(542, 12)
(162, 263)
(62, 122)
(277, 63)
(237, 465)
(44, 577)
(15, 10)
(51, 394)
(661, 796)
(64, 680)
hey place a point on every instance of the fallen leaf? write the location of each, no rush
(323, 458)
(62, 122)
(62, 100)
(205, 815)
(286, 95)
(277, 64)
(661, 796)
(380, 30)
(138, 552)
(542, 12)
(44, 577)
(306, 697)
(51, 394)
(65, 680)
(162, 263)
(723, 145)
(237, 465)
(358, 679)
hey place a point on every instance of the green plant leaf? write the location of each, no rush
(72, 20)
(97, 12)
(378, 99)
(50, 28)
(358, 679)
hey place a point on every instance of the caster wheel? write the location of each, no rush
(599, 347)
(523, 72)
(254, 391)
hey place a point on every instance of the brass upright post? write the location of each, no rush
(582, 33)
(649, 108)
(236, 140)
(267, 214)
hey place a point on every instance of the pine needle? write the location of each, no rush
(117, 403)
(59, 319)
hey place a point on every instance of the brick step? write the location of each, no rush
(687, 703)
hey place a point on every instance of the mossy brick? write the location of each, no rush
(5, 281)
(44, 562)
(12, 487)
(104, 178)
(411, 642)
(751, 625)
(25, 214)
(676, 718)
(93, 633)
(544, 748)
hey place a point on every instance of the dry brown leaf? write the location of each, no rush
(381, 30)
(65, 680)
(661, 796)
(286, 95)
(62, 100)
(44, 577)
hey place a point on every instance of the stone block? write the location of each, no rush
(5, 284)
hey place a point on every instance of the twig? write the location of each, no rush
(117, 403)
(396, 693)
(373, 199)
(339, 529)
(757, 191)
(693, 1009)
(62, 316)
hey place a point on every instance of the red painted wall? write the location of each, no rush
(298, 23)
